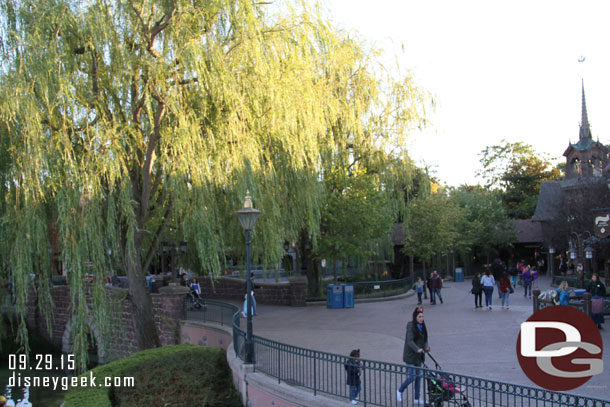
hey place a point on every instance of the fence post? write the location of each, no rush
(536, 300)
(587, 303)
(279, 364)
(315, 374)
(364, 382)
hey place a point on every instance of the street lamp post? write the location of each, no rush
(589, 257)
(551, 255)
(247, 217)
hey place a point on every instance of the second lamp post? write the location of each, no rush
(247, 217)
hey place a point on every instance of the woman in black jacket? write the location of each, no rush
(416, 343)
(597, 290)
(477, 290)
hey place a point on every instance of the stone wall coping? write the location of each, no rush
(290, 394)
(267, 384)
(173, 290)
(226, 328)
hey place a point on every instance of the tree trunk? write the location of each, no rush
(335, 269)
(306, 257)
(142, 308)
(412, 264)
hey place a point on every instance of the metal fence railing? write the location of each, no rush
(325, 373)
(213, 311)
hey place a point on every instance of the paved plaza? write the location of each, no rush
(465, 340)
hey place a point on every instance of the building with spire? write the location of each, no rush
(585, 158)
(567, 208)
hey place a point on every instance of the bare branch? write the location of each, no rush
(159, 26)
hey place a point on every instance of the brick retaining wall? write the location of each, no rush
(167, 305)
(229, 288)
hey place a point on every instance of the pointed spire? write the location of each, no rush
(585, 130)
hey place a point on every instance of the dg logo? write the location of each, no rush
(559, 348)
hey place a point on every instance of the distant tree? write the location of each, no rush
(517, 171)
(357, 218)
(431, 226)
(485, 224)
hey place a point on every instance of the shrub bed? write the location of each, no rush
(178, 375)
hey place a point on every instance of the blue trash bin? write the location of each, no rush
(334, 296)
(348, 295)
(459, 274)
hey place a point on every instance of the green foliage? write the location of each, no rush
(517, 170)
(172, 375)
(357, 217)
(432, 225)
(485, 223)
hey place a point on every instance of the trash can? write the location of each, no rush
(459, 274)
(348, 295)
(334, 296)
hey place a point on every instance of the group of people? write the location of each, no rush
(485, 285)
(434, 283)
(498, 276)
(596, 288)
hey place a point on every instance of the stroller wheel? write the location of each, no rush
(197, 305)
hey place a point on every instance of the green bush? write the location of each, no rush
(179, 375)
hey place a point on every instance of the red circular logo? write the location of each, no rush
(559, 348)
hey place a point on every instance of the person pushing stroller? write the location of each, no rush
(416, 344)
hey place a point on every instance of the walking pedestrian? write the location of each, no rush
(428, 280)
(419, 288)
(535, 274)
(416, 344)
(526, 278)
(353, 367)
(505, 289)
(497, 268)
(477, 290)
(488, 282)
(597, 290)
(436, 282)
(245, 311)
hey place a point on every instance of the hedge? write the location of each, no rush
(178, 375)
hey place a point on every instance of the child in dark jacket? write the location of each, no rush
(353, 368)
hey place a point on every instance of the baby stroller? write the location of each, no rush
(441, 389)
(193, 298)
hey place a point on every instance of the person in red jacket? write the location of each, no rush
(436, 283)
(505, 289)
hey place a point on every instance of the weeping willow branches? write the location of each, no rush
(124, 120)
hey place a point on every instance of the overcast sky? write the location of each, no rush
(497, 70)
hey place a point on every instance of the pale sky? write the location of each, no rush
(497, 70)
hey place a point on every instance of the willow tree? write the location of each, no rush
(123, 119)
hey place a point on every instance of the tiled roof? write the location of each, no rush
(549, 201)
(528, 231)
